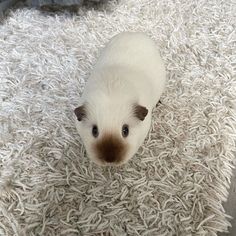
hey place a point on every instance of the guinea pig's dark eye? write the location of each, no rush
(125, 131)
(95, 131)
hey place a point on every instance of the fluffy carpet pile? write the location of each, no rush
(176, 183)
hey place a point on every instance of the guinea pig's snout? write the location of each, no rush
(110, 149)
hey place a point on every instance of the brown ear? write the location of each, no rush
(140, 112)
(80, 112)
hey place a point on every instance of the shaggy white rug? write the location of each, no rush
(176, 183)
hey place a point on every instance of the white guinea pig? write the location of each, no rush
(114, 113)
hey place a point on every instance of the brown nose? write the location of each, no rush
(110, 149)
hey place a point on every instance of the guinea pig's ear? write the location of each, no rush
(140, 112)
(80, 112)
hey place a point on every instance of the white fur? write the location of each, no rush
(129, 70)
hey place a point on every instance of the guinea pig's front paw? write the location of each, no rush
(159, 103)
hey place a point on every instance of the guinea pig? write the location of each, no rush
(113, 116)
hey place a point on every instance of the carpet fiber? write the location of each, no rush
(176, 183)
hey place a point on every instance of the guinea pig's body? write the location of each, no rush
(115, 110)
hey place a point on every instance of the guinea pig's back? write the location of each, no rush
(135, 50)
(145, 57)
(130, 49)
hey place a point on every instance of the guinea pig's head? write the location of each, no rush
(112, 133)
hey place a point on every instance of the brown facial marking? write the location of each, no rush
(110, 149)
(140, 112)
(80, 112)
